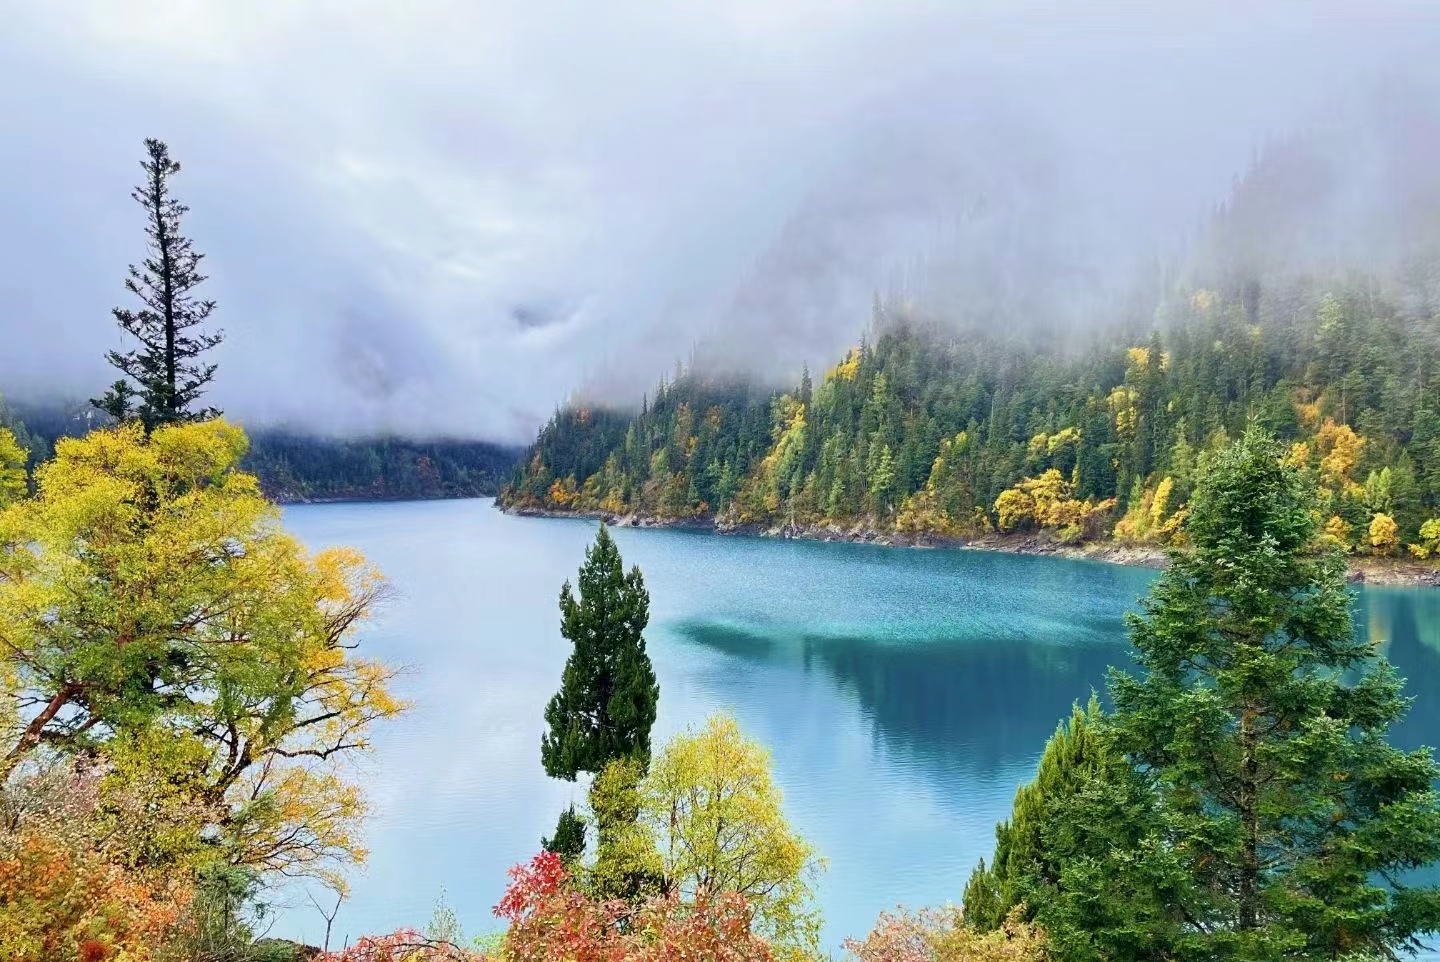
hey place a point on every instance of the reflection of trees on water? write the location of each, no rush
(1405, 627)
(993, 702)
(984, 704)
(989, 703)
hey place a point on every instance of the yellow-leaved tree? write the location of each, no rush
(706, 822)
(1047, 502)
(1384, 534)
(152, 607)
(715, 813)
(12, 468)
(1429, 545)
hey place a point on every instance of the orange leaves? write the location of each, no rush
(940, 935)
(402, 945)
(563, 492)
(64, 898)
(551, 919)
(530, 885)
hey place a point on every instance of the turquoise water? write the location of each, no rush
(903, 694)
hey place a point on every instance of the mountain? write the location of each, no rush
(941, 424)
(296, 466)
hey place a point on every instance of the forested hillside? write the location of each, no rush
(1309, 302)
(927, 431)
(297, 467)
(302, 467)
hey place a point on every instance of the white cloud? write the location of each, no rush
(444, 215)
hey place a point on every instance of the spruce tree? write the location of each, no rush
(608, 693)
(1258, 720)
(163, 377)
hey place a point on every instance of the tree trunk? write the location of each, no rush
(31, 736)
(1248, 909)
(167, 279)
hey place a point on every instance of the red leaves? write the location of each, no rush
(550, 919)
(93, 950)
(542, 879)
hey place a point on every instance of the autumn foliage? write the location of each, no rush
(941, 935)
(69, 888)
(1048, 502)
(549, 918)
(402, 945)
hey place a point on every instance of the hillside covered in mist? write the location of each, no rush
(1309, 303)
(295, 466)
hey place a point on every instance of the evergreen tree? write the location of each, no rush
(1075, 756)
(568, 842)
(167, 377)
(1064, 858)
(1258, 720)
(608, 692)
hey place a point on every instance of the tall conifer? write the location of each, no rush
(1259, 720)
(608, 693)
(163, 377)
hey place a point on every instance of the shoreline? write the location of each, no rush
(1382, 572)
(285, 500)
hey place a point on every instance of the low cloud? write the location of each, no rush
(444, 218)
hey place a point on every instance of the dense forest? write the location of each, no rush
(927, 431)
(294, 466)
(1303, 303)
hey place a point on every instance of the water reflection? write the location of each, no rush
(990, 702)
(1404, 626)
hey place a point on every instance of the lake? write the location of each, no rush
(903, 694)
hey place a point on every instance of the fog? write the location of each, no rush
(447, 217)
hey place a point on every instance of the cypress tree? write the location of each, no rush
(1258, 721)
(167, 377)
(608, 693)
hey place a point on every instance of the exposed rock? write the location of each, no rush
(1375, 571)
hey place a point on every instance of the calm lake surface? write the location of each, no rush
(904, 694)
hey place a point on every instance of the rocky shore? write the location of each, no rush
(1375, 571)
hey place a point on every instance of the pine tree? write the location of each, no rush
(167, 377)
(608, 693)
(1259, 720)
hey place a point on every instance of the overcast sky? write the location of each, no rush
(446, 216)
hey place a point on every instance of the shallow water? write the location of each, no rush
(904, 694)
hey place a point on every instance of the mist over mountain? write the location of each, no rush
(448, 222)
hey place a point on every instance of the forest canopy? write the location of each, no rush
(924, 430)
